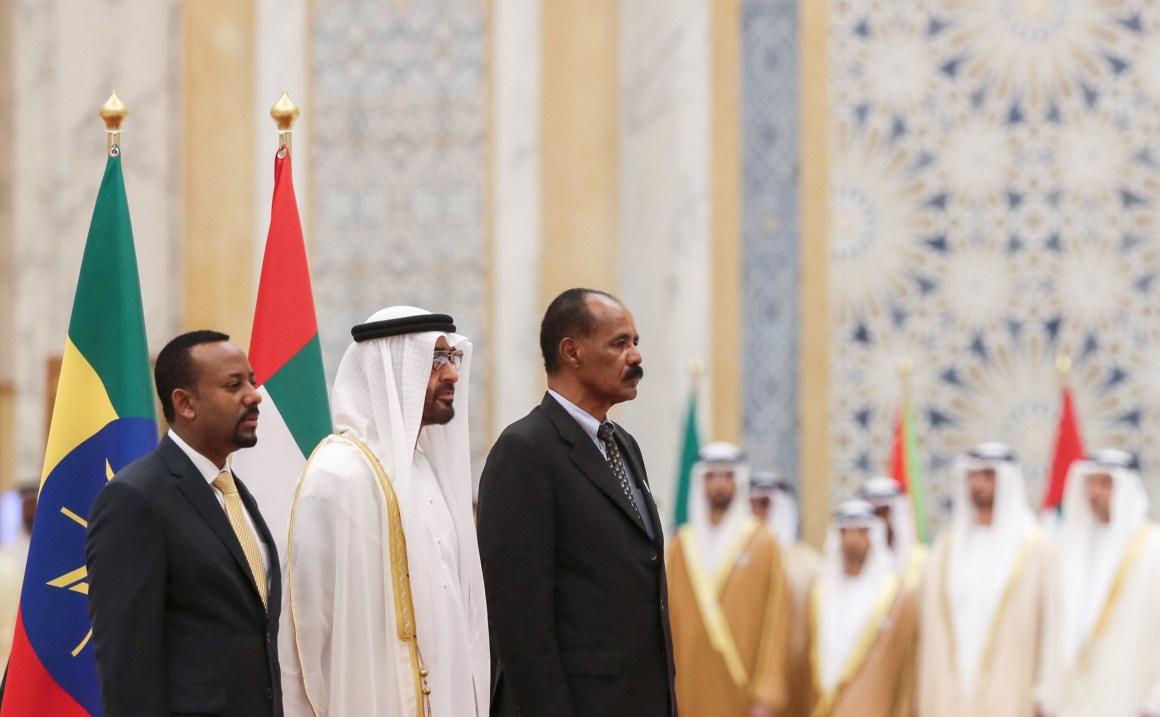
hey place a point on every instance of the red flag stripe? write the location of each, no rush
(1068, 449)
(899, 469)
(284, 319)
(30, 691)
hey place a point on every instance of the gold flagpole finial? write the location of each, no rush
(285, 114)
(113, 112)
(1063, 365)
(905, 374)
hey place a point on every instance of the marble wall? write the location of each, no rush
(516, 220)
(7, 227)
(65, 59)
(664, 210)
(282, 58)
(399, 152)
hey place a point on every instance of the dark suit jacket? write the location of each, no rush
(576, 593)
(178, 624)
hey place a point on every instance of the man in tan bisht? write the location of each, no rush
(982, 596)
(1103, 640)
(774, 503)
(893, 506)
(862, 623)
(727, 598)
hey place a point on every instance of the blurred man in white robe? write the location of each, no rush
(1103, 639)
(774, 503)
(862, 623)
(13, 560)
(727, 598)
(897, 512)
(982, 596)
(384, 612)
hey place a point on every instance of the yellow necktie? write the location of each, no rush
(225, 483)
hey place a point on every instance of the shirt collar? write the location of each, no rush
(584, 418)
(203, 465)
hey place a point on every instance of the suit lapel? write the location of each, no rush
(636, 465)
(195, 488)
(586, 456)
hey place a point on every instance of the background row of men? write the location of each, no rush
(1007, 615)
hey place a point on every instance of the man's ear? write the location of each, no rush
(570, 351)
(184, 403)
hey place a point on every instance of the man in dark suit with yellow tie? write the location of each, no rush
(184, 586)
(570, 539)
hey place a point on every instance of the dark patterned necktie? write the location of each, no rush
(616, 463)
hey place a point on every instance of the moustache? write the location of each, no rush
(632, 372)
(251, 413)
(445, 387)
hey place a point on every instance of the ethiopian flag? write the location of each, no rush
(102, 421)
(690, 452)
(904, 466)
(287, 361)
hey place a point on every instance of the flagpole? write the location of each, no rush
(285, 114)
(113, 112)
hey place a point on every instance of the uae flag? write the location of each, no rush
(287, 361)
(905, 468)
(102, 421)
(1068, 449)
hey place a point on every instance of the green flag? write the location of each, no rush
(905, 466)
(690, 449)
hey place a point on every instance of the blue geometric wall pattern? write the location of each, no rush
(400, 165)
(995, 180)
(770, 234)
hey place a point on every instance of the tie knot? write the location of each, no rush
(605, 431)
(225, 483)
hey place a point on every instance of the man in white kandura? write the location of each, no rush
(862, 623)
(982, 596)
(385, 613)
(895, 509)
(774, 503)
(1103, 637)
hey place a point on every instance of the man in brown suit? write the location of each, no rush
(863, 622)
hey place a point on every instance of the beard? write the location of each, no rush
(242, 440)
(853, 560)
(720, 502)
(438, 413)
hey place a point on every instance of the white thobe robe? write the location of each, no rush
(447, 656)
(1006, 645)
(11, 578)
(846, 607)
(339, 645)
(1116, 671)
